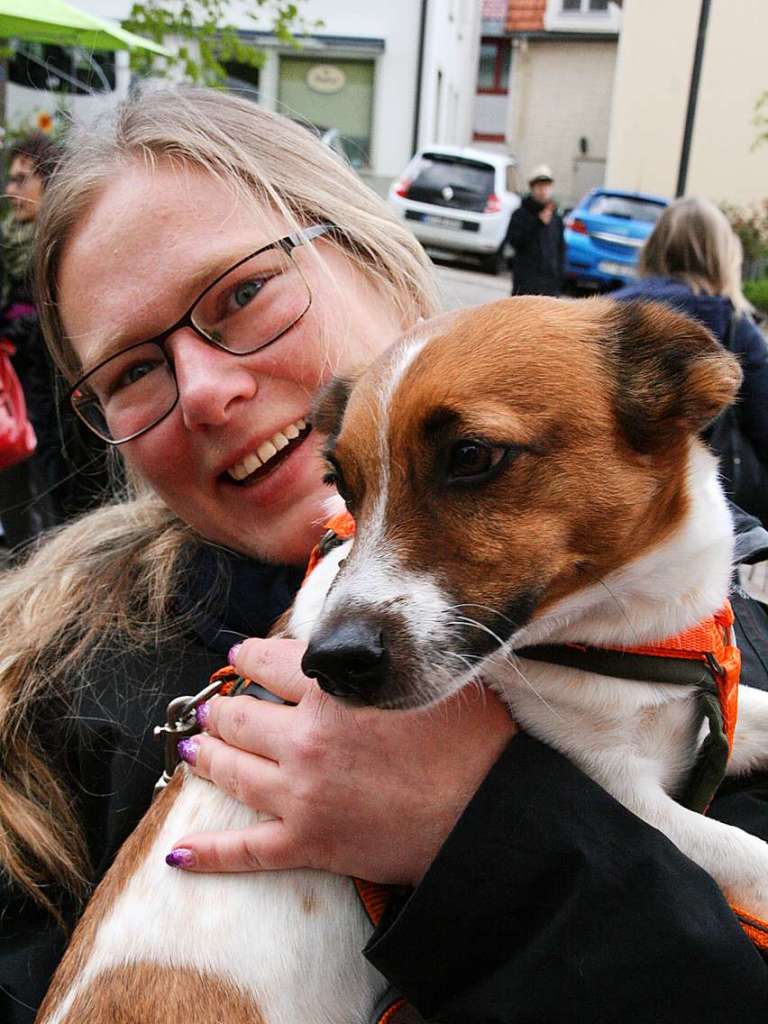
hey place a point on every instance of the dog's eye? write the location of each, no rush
(333, 478)
(470, 459)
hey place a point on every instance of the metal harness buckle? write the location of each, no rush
(180, 722)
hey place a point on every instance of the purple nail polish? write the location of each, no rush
(233, 653)
(202, 711)
(180, 858)
(187, 749)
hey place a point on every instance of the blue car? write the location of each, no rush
(604, 235)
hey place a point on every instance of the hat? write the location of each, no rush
(541, 173)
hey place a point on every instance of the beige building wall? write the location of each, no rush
(560, 92)
(653, 76)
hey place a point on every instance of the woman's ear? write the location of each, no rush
(672, 375)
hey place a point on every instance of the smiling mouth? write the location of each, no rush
(268, 456)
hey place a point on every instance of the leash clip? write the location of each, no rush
(180, 722)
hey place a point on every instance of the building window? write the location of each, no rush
(70, 70)
(493, 71)
(584, 6)
(335, 97)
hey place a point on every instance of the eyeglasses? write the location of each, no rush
(248, 307)
(20, 179)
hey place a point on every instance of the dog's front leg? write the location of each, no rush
(750, 742)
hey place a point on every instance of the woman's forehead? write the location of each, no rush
(153, 239)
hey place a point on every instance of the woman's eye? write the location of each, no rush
(132, 375)
(245, 293)
(474, 459)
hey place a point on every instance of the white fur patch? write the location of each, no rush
(252, 929)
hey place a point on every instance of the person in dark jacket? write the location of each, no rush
(26, 505)
(536, 896)
(67, 472)
(537, 236)
(692, 262)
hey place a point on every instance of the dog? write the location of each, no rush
(521, 473)
(530, 474)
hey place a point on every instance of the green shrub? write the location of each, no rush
(751, 225)
(757, 293)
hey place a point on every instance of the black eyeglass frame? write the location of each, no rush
(287, 244)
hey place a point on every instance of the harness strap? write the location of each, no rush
(703, 657)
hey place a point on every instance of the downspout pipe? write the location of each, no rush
(419, 73)
(693, 96)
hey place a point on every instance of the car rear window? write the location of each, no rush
(452, 181)
(627, 208)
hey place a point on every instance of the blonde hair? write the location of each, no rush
(108, 579)
(694, 243)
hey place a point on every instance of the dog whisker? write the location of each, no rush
(614, 598)
(510, 660)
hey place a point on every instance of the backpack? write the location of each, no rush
(743, 470)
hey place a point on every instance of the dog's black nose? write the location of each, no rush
(349, 660)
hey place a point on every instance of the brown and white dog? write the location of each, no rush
(530, 473)
(524, 472)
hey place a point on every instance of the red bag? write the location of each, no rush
(17, 437)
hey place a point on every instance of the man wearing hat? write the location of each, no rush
(536, 234)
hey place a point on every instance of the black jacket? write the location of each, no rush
(549, 901)
(537, 266)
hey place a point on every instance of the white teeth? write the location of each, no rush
(266, 450)
(251, 462)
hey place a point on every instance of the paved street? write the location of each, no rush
(464, 286)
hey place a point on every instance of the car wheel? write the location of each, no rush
(494, 262)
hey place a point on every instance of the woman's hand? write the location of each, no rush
(354, 791)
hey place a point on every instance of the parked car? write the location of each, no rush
(604, 235)
(459, 200)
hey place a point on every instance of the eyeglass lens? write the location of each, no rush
(249, 308)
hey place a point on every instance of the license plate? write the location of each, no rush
(619, 269)
(442, 222)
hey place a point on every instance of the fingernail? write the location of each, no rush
(187, 749)
(202, 711)
(180, 858)
(233, 653)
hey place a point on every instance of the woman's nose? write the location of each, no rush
(211, 383)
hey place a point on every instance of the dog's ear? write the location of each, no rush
(329, 405)
(673, 377)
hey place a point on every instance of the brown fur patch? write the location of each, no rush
(132, 854)
(562, 385)
(142, 993)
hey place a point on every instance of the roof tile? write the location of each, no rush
(525, 15)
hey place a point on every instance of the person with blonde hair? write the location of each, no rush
(203, 268)
(692, 261)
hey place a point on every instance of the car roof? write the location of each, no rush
(469, 153)
(625, 194)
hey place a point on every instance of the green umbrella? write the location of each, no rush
(54, 21)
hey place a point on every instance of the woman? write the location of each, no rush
(275, 269)
(692, 261)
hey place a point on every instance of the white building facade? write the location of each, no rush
(383, 78)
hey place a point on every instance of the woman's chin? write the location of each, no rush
(287, 538)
